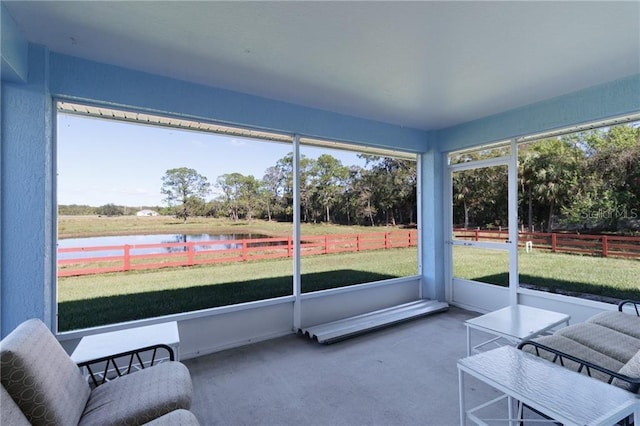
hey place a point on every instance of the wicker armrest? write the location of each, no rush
(635, 303)
(122, 363)
(583, 365)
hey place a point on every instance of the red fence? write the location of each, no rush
(593, 245)
(217, 251)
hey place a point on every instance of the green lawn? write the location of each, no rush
(93, 300)
(568, 273)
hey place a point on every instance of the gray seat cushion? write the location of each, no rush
(578, 350)
(10, 413)
(40, 377)
(630, 369)
(175, 418)
(140, 397)
(612, 343)
(619, 321)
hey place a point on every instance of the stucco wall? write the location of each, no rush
(26, 228)
(14, 48)
(608, 100)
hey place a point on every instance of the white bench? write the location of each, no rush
(561, 394)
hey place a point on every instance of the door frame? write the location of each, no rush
(510, 246)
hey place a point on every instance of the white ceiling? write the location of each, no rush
(422, 64)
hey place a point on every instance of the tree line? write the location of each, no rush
(585, 181)
(582, 181)
(381, 192)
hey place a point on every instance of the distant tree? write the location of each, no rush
(393, 185)
(180, 185)
(271, 193)
(231, 186)
(307, 189)
(110, 210)
(351, 205)
(196, 206)
(328, 177)
(615, 138)
(550, 174)
(470, 189)
(284, 166)
(284, 173)
(75, 209)
(364, 188)
(610, 180)
(404, 178)
(527, 159)
(214, 208)
(249, 196)
(328, 190)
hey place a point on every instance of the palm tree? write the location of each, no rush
(555, 174)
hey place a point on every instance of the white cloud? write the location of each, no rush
(238, 142)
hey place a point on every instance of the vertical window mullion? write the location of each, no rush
(513, 223)
(297, 291)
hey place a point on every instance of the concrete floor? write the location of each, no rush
(405, 374)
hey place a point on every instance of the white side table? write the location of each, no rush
(562, 394)
(111, 344)
(514, 323)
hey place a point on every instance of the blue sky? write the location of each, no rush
(106, 161)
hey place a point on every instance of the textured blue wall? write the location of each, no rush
(26, 228)
(612, 99)
(82, 79)
(14, 48)
(433, 165)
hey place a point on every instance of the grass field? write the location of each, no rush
(588, 276)
(93, 300)
(95, 226)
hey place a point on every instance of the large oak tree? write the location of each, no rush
(180, 186)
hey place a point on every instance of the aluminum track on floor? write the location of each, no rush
(339, 330)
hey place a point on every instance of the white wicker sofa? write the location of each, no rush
(41, 385)
(606, 346)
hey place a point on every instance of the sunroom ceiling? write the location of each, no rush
(419, 64)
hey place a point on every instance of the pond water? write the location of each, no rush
(150, 239)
